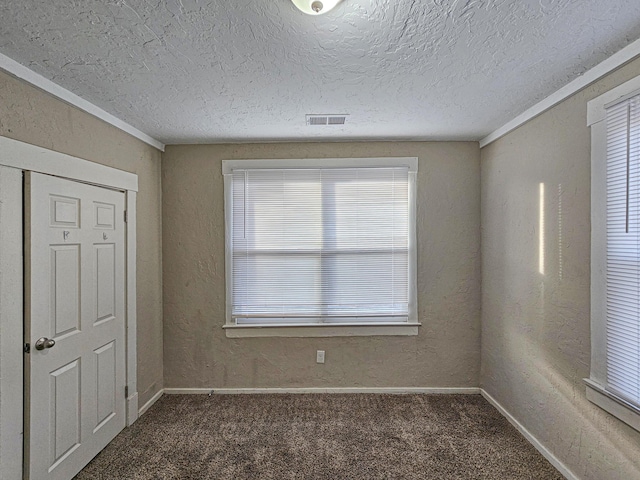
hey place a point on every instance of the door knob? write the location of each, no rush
(45, 342)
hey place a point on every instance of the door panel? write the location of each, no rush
(65, 211)
(75, 295)
(105, 361)
(105, 282)
(65, 423)
(65, 288)
(104, 215)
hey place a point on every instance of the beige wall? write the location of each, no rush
(535, 327)
(30, 115)
(444, 354)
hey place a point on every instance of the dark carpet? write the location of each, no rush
(320, 437)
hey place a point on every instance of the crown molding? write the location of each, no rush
(612, 63)
(23, 73)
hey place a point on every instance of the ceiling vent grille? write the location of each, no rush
(326, 119)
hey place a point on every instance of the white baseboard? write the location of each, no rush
(387, 390)
(150, 403)
(553, 460)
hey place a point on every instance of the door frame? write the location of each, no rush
(15, 158)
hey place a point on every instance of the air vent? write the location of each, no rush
(326, 119)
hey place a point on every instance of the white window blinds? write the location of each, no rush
(325, 245)
(623, 250)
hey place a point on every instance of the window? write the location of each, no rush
(320, 247)
(614, 382)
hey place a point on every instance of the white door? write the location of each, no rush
(74, 323)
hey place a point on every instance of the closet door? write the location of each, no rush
(74, 323)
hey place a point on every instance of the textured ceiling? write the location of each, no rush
(189, 71)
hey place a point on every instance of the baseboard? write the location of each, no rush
(387, 390)
(150, 403)
(553, 460)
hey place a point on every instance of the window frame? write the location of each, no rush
(360, 328)
(596, 390)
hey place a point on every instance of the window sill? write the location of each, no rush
(617, 407)
(326, 330)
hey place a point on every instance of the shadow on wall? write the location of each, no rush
(540, 326)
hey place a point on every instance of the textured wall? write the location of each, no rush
(29, 115)
(535, 327)
(444, 354)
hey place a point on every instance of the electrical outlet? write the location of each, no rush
(320, 356)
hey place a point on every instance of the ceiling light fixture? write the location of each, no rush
(315, 7)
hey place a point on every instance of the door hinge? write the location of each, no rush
(125, 216)
(126, 391)
(27, 348)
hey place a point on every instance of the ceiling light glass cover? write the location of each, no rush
(315, 7)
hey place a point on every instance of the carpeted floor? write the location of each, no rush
(320, 437)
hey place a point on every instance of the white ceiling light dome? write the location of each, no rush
(315, 7)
